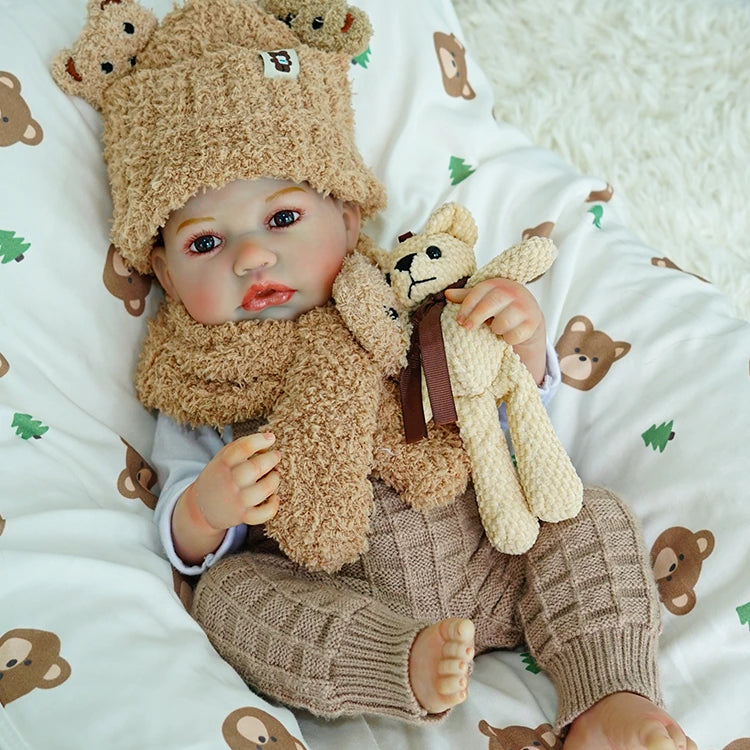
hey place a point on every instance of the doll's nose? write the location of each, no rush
(251, 255)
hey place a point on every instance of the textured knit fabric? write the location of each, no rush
(581, 598)
(201, 110)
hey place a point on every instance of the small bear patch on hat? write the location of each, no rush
(282, 63)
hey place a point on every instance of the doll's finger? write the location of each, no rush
(456, 295)
(246, 447)
(459, 651)
(252, 470)
(514, 333)
(258, 492)
(476, 309)
(451, 685)
(263, 512)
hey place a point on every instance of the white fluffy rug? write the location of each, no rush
(653, 96)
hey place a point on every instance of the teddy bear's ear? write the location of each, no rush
(380, 257)
(115, 32)
(356, 31)
(456, 220)
(9, 80)
(66, 75)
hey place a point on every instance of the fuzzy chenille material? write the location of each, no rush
(219, 91)
(328, 399)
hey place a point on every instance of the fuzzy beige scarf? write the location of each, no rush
(335, 415)
(214, 375)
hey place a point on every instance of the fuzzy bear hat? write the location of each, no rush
(222, 90)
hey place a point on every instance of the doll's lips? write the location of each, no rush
(260, 296)
(347, 23)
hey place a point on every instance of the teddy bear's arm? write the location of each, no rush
(522, 262)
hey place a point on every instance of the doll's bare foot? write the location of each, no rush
(439, 664)
(627, 722)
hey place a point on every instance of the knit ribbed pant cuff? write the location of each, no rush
(589, 668)
(371, 671)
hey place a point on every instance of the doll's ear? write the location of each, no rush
(352, 216)
(161, 271)
(456, 220)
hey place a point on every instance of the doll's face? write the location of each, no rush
(255, 249)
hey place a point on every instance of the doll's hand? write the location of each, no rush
(512, 312)
(626, 721)
(510, 307)
(238, 485)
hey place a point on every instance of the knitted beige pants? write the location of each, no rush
(582, 598)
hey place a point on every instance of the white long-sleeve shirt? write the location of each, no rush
(180, 453)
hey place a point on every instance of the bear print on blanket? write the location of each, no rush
(29, 659)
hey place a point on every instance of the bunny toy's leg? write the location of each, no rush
(509, 525)
(553, 489)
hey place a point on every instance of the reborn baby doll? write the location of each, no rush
(230, 149)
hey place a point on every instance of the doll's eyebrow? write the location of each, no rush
(283, 191)
(196, 220)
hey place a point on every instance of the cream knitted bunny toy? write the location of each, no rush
(484, 370)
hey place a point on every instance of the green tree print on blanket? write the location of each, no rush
(11, 247)
(743, 612)
(597, 212)
(459, 170)
(658, 437)
(362, 59)
(28, 427)
(530, 662)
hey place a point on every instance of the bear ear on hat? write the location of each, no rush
(114, 33)
(329, 25)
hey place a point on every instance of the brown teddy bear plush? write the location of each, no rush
(116, 32)
(483, 371)
(326, 24)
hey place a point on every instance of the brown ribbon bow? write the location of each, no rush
(427, 351)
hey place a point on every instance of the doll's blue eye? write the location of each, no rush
(128, 28)
(433, 252)
(317, 23)
(107, 67)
